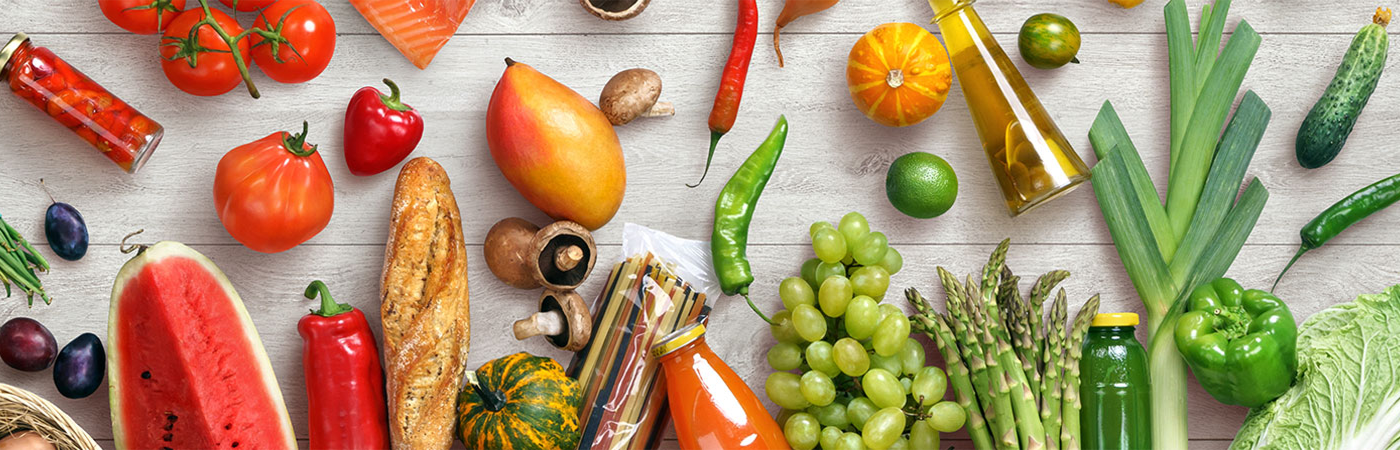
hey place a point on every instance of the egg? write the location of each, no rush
(25, 440)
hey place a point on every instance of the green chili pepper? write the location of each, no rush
(1343, 214)
(734, 211)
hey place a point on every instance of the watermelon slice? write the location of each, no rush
(185, 367)
(418, 28)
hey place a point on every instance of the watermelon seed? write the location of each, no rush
(169, 426)
(166, 448)
(235, 444)
(168, 437)
(228, 426)
(146, 375)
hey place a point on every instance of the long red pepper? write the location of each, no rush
(731, 85)
(344, 382)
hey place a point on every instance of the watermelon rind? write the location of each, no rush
(132, 268)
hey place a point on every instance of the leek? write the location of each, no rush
(1168, 250)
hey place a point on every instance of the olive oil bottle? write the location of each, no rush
(1032, 161)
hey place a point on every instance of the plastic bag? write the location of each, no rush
(659, 286)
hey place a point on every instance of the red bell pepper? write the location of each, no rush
(344, 382)
(380, 130)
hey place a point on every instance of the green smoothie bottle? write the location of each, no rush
(1114, 386)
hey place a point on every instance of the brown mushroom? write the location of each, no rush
(614, 9)
(510, 250)
(559, 256)
(564, 255)
(632, 93)
(563, 319)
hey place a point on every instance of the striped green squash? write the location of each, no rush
(519, 402)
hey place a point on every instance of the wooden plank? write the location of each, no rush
(834, 156)
(690, 17)
(271, 287)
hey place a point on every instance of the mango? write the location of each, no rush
(555, 147)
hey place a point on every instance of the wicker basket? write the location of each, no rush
(22, 410)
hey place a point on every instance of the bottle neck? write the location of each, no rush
(1115, 331)
(945, 8)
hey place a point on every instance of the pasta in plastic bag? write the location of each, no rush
(660, 286)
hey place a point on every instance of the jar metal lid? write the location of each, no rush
(10, 48)
(677, 339)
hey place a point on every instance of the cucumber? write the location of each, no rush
(1325, 130)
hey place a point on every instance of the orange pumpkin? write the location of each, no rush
(898, 74)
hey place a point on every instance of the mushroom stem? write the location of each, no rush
(543, 323)
(660, 109)
(566, 258)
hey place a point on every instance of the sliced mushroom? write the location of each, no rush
(614, 9)
(633, 93)
(563, 319)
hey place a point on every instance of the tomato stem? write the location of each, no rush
(274, 36)
(161, 6)
(296, 143)
(232, 46)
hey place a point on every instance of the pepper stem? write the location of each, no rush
(329, 307)
(1301, 249)
(294, 142)
(714, 141)
(490, 399)
(755, 309)
(392, 100)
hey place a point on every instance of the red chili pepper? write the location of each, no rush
(344, 382)
(731, 85)
(380, 130)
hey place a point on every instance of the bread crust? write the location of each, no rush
(425, 308)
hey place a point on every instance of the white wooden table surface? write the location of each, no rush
(834, 163)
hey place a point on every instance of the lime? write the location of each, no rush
(921, 185)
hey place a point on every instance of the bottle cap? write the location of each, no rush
(1115, 320)
(677, 339)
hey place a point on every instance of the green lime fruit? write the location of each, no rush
(921, 185)
(1048, 41)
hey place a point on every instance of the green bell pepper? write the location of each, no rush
(1241, 344)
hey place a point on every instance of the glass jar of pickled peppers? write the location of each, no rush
(37, 75)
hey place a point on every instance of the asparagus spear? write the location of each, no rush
(936, 327)
(972, 351)
(1053, 361)
(1069, 431)
(1004, 422)
(1015, 310)
(1039, 293)
(1031, 430)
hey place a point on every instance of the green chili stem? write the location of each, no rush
(757, 311)
(1301, 250)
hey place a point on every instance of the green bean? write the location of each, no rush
(734, 211)
(1345, 213)
(33, 254)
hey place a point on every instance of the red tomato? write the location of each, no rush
(248, 5)
(213, 73)
(305, 25)
(139, 16)
(274, 193)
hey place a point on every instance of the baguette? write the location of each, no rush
(424, 307)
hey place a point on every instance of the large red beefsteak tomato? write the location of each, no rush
(274, 193)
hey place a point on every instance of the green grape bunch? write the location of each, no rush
(847, 372)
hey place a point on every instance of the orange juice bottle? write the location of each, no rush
(712, 407)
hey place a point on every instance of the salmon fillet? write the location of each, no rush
(418, 28)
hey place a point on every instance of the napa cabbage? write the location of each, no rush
(1347, 394)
